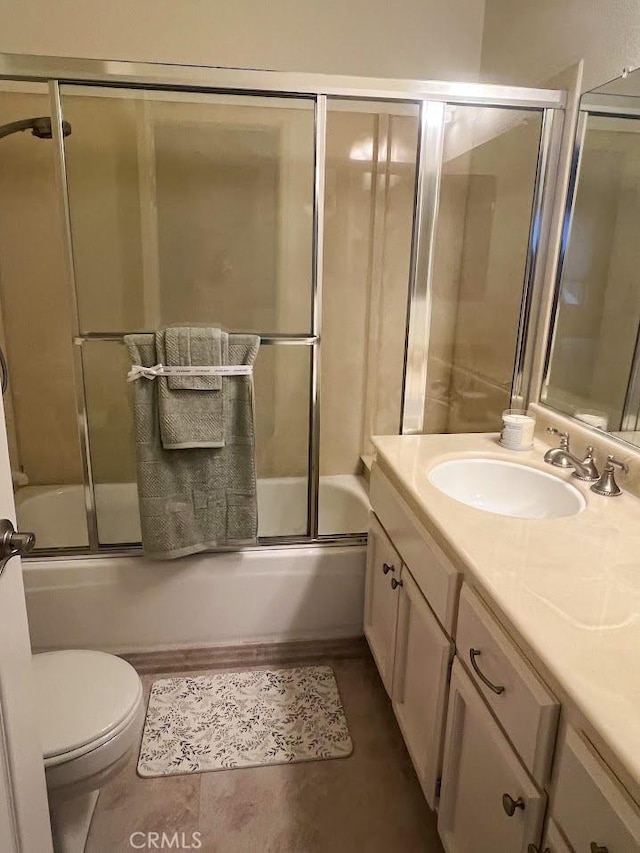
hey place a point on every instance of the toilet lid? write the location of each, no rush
(82, 696)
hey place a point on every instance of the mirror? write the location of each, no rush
(593, 363)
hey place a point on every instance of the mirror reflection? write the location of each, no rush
(593, 372)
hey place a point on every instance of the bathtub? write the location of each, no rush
(258, 595)
(57, 513)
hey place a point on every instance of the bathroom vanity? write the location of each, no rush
(509, 647)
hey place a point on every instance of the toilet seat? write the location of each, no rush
(86, 699)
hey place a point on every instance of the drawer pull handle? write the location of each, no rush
(386, 568)
(395, 584)
(596, 848)
(473, 654)
(510, 805)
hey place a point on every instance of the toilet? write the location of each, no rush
(90, 707)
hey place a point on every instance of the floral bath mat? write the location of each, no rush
(243, 719)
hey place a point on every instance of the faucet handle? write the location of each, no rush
(563, 436)
(591, 473)
(607, 485)
(611, 460)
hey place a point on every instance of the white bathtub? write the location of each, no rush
(57, 513)
(262, 595)
(259, 595)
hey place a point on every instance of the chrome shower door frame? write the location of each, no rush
(428, 180)
(431, 96)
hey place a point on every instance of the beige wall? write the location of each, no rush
(525, 42)
(406, 38)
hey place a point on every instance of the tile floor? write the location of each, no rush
(366, 803)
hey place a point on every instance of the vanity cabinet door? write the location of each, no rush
(420, 683)
(589, 804)
(553, 840)
(381, 599)
(489, 803)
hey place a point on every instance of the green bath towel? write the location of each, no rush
(200, 498)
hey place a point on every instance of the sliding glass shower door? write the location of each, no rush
(193, 209)
(36, 330)
(379, 236)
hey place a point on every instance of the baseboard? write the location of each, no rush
(249, 654)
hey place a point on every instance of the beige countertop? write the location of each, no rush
(568, 587)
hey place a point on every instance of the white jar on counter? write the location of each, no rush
(517, 429)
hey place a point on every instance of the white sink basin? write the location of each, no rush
(506, 488)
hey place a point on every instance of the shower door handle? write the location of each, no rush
(13, 543)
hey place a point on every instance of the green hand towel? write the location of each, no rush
(192, 409)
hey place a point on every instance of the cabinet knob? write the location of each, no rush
(598, 848)
(395, 584)
(510, 805)
(386, 568)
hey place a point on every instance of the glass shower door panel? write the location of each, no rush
(36, 332)
(111, 441)
(281, 393)
(370, 181)
(482, 237)
(282, 379)
(190, 209)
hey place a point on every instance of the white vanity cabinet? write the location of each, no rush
(410, 646)
(489, 803)
(381, 600)
(526, 710)
(482, 732)
(420, 683)
(589, 805)
(553, 841)
(437, 578)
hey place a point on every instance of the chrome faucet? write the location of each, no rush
(607, 485)
(561, 457)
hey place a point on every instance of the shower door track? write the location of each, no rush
(336, 540)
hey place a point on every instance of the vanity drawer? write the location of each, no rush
(523, 705)
(590, 806)
(436, 576)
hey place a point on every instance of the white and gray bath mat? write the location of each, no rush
(243, 719)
